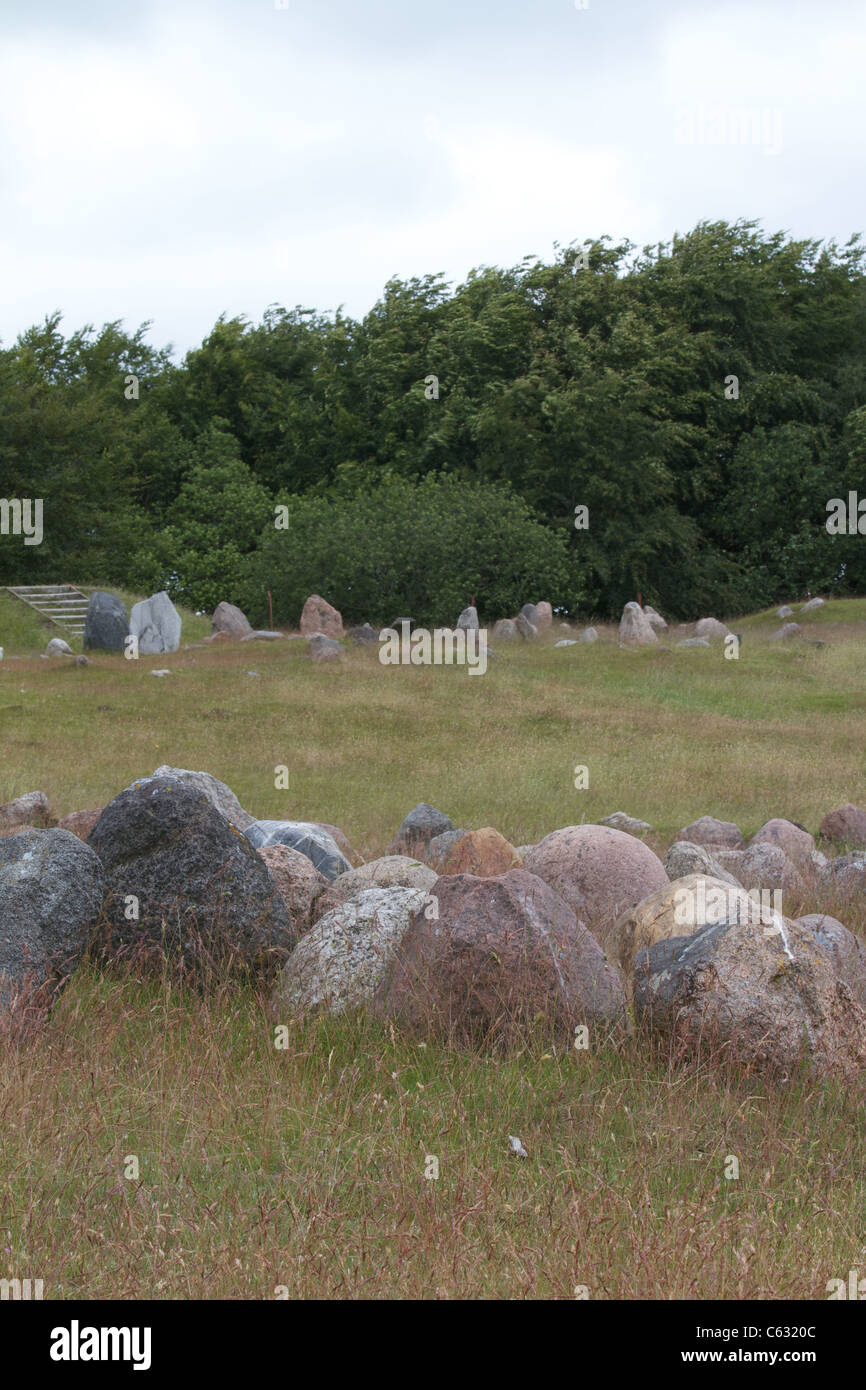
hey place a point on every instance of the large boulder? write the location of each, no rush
(635, 629)
(844, 950)
(341, 963)
(422, 824)
(319, 616)
(762, 866)
(764, 994)
(711, 629)
(545, 615)
(298, 881)
(391, 871)
(796, 842)
(51, 892)
(229, 621)
(600, 872)
(722, 834)
(31, 809)
(156, 623)
(505, 631)
(105, 626)
(306, 837)
(678, 909)
(494, 957)
(845, 826)
(184, 883)
(685, 858)
(484, 853)
(217, 793)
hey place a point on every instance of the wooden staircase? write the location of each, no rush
(61, 604)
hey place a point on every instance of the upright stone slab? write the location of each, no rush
(106, 627)
(156, 623)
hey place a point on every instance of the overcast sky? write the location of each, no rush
(176, 159)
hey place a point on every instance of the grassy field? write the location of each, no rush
(305, 1168)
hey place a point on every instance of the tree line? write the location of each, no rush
(700, 401)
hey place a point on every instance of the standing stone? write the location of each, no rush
(51, 892)
(545, 615)
(156, 623)
(229, 621)
(505, 631)
(322, 648)
(635, 628)
(105, 627)
(319, 616)
(530, 613)
(468, 619)
(589, 634)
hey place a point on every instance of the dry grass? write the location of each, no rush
(305, 1167)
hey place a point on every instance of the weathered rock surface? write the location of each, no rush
(844, 950)
(845, 826)
(30, 809)
(494, 958)
(341, 962)
(306, 837)
(105, 625)
(722, 834)
(218, 793)
(422, 824)
(229, 621)
(635, 628)
(80, 823)
(678, 909)
(298, 882)
(762, 866)
(320, 616)
(156, 623)
(620, 821)
(796, 842)
(767, 996)
(201, 892)
(685, 858)
(51, 892)
(711, 629)
(391, 871)
(484, 853)
(600, 872)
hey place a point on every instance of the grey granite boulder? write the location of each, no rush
(51, 892)
(230, 621)
(184, 883)
(468, 619)
(217, 793)
(422, 824)
(684, 858)
(846, 951)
